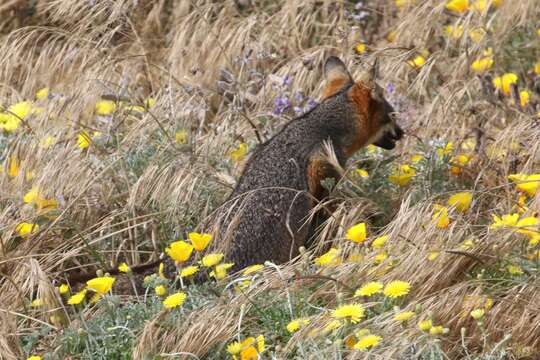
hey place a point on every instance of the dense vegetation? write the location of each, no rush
(124, 124)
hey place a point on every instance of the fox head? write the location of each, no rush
(373, 117)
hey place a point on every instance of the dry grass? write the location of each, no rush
(215, 69)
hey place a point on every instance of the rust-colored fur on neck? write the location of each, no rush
(360, 97)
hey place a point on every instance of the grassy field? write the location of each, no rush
(124, 124)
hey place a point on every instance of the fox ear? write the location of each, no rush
(337, 76)
(369, 77)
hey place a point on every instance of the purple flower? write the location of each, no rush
(359, 5)
(281, 103)
(311, 104)
(286, 81)
(298, 96)
(390, 88)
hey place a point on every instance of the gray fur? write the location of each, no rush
(266, 215)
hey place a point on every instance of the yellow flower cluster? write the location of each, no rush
(248, 349)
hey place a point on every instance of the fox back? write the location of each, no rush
(266, 216)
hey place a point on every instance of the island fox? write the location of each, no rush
(266, 216)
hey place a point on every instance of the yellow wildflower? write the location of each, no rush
(477, 314)
(188, 271)
(357, 233)
(250, 352)
(505, 82)
(512, 220)
(379, 258)
(174, 300)
(161, 270)
(404, 3)
(84, 140)
(105, 107)
(77, 298)
(368, 341)
(416, 158)
(537, 68)
(251, 269)
(21, 109)
(445, 150)
(36, 303)
(458, 6)
(199, 241)
(436, 330)
(101, 285)
(379, 242)
(482, 65)
(42, 93)
(514, 270)
(34, 357)
(482, 5)
(404, 316)
(220, 271)
(360, 48)
(441, 216)
(179, 251)
(13, 166)
(417, 62)
(160, 290)
(63, 289)
(211, 260)
(454, 31)
(363, 173)
(507, 220)
(433, 255)
(403, 175)
(461, 201)
(296, 324)
(150, 102)
(34, 197)
(534, 239)
(31, 196)
(529, 184)
(180, 137)
(425, 325)
(524, 97)
(234, 348)
(458, 162)
(330, 258)
(479, 6)
(396, 288)
(260, 343)
(239, 153)
(369, 289)
(391, 36)
(123, 267)
(25, 229)
(353, 312)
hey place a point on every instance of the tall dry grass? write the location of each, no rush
(213, 68)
